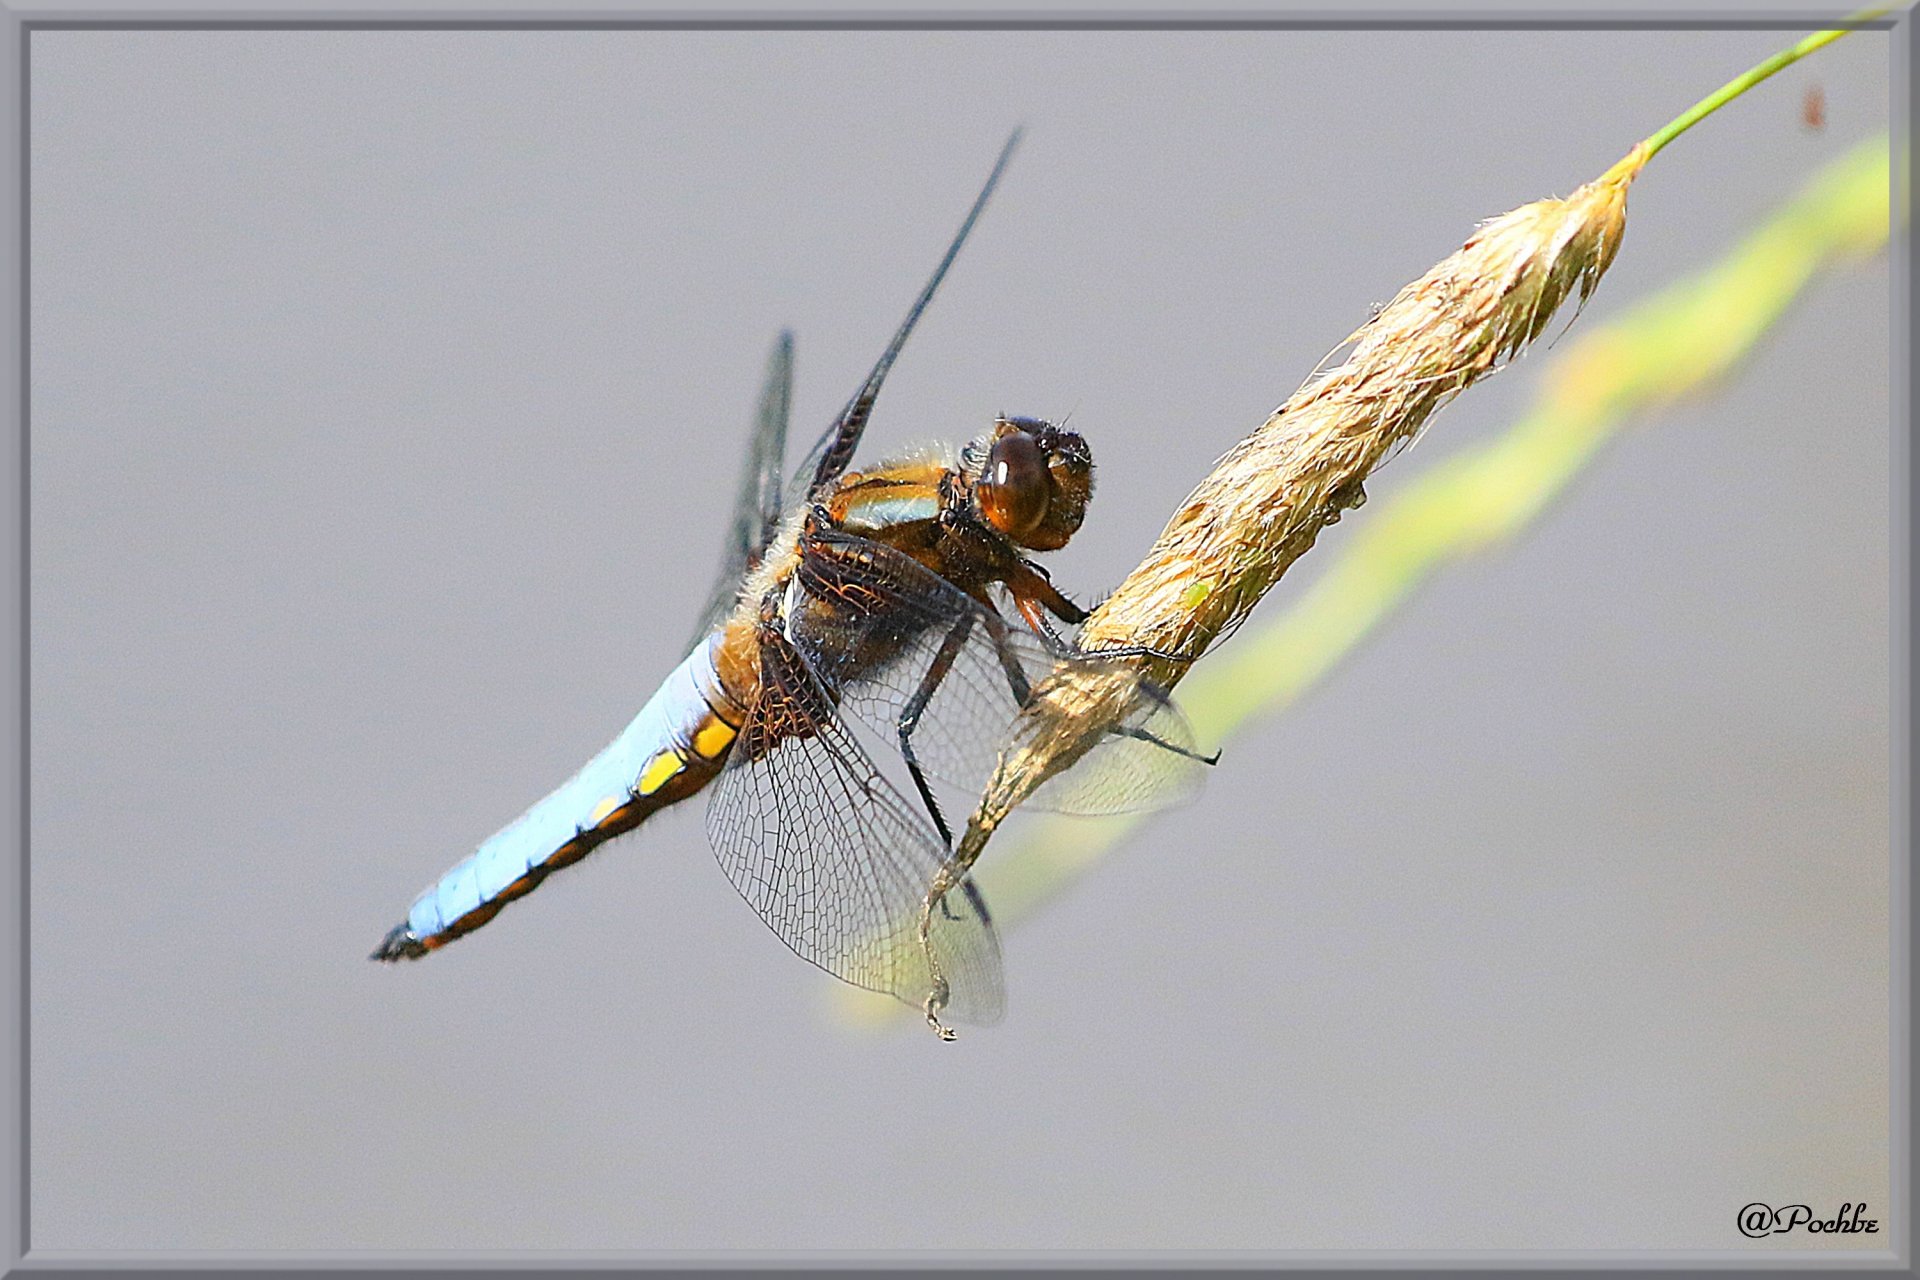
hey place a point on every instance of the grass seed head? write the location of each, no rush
(1268, 498)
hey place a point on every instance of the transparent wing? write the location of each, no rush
(758, 507)
(836, 861)
(830, 455)
(944, 675)
(1146, 761)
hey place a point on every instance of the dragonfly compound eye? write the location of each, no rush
(1014, 487)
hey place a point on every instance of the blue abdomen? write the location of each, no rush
(671, 749)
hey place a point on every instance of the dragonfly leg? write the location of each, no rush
(1017, 681)
(1033, 590)
(1143, 736)
(1138, 651)
(916, 706)
(1021, 689)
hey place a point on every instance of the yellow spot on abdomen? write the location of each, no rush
(713, 737)
(601, 810)
(660, 770)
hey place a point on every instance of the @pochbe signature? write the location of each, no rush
(1757, 1220)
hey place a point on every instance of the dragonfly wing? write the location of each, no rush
(903, 647)
(836, 861)
(1146, 761)
(759, 505)
(830, 455)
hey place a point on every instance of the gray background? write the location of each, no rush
(387, 391)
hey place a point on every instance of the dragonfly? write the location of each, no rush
(894, 609)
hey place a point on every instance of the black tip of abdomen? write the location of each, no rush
(399, 944)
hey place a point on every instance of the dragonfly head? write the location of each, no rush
(1031, 481)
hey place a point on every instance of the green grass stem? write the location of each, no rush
(1740, 84)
